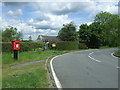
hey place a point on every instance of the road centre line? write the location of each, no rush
(92, 57)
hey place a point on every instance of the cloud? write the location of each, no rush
(48, 17)
(53, 21)
(65, 7)
(16, 14)
(15, 4)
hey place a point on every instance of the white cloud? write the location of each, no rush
(16, 14)
(64, 7)
(54, 21)
(51, 16)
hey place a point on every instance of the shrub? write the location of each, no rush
(82, 46)
(65, 45)
(24, 46)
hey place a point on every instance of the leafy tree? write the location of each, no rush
(68, 32)
(110, 27)
(96, 37)
(91, 35)
(84, 33)
(11, 34)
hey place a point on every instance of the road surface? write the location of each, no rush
(87, 69)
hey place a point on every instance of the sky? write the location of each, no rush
(47, 18)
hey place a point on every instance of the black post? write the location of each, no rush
(15, 54)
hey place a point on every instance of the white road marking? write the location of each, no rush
(113, 55)
(91, 53)
(92, 57)
(57, 82)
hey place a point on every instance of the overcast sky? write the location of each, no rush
(46, 18)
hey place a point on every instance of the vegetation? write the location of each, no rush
(102, 32)
(68, 32)
(65, 45)
(29, 76)
(117, 53)
(7, 58)
(30, 38)
(24, 46)
(11, 34)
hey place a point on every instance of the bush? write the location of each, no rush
(82, 46)
(24, 46)
(65, 45)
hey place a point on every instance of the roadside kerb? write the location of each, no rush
(57, 82)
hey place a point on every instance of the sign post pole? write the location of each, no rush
(16, 54)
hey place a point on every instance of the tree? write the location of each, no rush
(68, 32)
(110, 27)
(30, 38)
(11, 34)
(84, 33)
(39, 38)
(91, 35)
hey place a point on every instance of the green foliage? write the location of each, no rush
(68, 32)
(102, 32)
(24, 46)
(65, 45)
(29, 76)
(82, 46)
(109, 24)
(11, 34)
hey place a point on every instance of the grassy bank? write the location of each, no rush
(117, 53)
(7, 58)
(30, 76)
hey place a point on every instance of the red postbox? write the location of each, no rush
(15, 45)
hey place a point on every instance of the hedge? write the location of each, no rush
(65, 45)
(24, 46)
(82, 46)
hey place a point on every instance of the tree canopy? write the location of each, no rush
(11, 34)
(102, 32)
(68, 32)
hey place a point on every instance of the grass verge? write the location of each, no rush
(117, 53)
(7, 58)
(30, 76)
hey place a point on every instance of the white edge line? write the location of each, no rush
(113, 55)
(57, 82)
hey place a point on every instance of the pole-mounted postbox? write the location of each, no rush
(15, 47)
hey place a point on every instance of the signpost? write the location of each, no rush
(15, 47)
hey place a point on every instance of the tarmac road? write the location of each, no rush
(87, 69)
